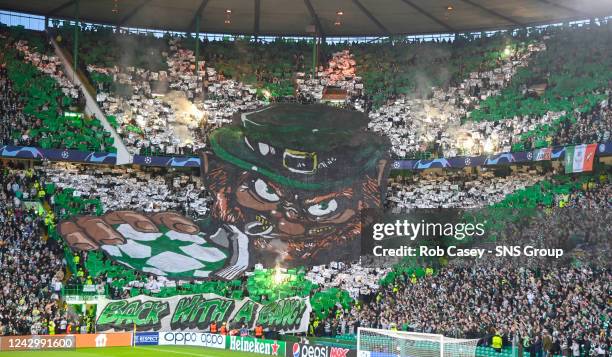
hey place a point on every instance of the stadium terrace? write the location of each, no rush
(220, 178)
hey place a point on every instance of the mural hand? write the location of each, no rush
(176, 222)
(164, 243)
(76, 237)
(138, 221)
(89, 232)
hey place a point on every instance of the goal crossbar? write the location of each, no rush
(392, 343)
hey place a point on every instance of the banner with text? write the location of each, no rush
(316, 350)
(201, 339)
(146, 338)
(196, 313)
(255, 345)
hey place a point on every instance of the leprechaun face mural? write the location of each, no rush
(289, 183)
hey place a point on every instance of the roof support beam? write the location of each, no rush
(131, 14)
(567, 8)
(430, 16)
(60, 8)
(257, 13)
(197, 44)
(75, 48)
(494, 13)
(315, 18)
(196, 14)
(371, 17)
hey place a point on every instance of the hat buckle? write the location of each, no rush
(303, 160)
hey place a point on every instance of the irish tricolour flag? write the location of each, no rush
(579, 158)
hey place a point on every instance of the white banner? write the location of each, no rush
(192, 339)
(90, 288)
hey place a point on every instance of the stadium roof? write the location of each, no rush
(334, 18)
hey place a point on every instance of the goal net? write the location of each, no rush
(386, 343)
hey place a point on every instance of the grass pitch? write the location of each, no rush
(137, 351)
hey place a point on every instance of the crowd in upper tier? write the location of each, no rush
(156, 111)
(537, 95)
(39, 105)
(481, 95)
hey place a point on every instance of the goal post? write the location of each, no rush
(388, 343)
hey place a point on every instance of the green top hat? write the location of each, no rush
(307, 147)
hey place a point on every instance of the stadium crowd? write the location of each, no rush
(40, 105)
(50, 65)
(433, 123)
(164, 107)
(566, 305)
(536, 305)
(11, 107)
(486, 298)
(169, 111)
(470, 104)
(32, 268)
(357, 279)
(456, 190)
(340, 74)
(593, 127)
(126, 188)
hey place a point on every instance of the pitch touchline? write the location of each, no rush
(173, 351)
